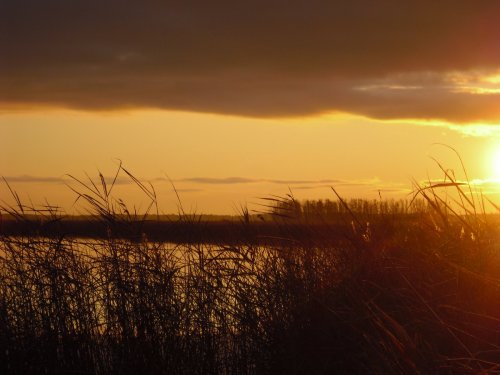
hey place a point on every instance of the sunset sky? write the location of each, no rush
(232, 101)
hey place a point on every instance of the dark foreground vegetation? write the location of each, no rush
(375, 291)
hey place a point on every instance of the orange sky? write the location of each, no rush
(219, 162)
(237, 101)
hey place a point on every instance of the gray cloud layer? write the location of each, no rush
(34, 179)
(195, 180)
(61, 180)
(244, 180)
(374, 185)
(258, 58)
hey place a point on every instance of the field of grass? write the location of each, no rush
(370, 289)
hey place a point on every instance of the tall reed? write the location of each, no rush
(375, 292)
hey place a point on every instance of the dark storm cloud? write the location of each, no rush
(255, 58)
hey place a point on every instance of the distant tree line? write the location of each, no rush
(327, 209)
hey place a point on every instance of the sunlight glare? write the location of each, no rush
(495, 164)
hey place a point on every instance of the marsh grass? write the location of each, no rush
(383, 293)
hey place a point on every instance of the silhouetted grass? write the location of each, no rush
(375, 291)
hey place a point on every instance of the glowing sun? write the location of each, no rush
(495, 164)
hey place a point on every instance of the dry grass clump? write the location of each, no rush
(383, 293)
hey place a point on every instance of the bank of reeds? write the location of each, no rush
(378, 295)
